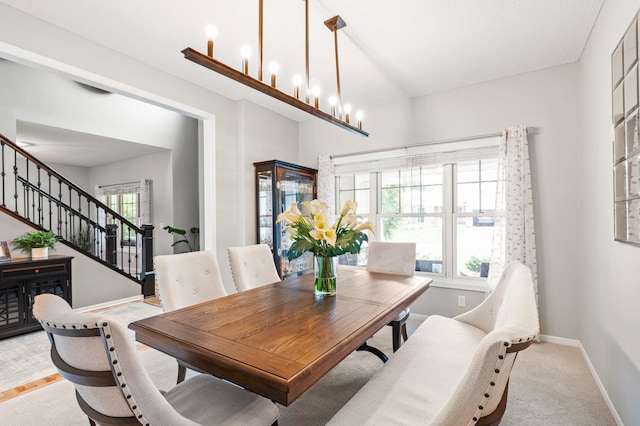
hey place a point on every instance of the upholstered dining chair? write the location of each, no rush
(112, 386)
(399, 259)
(252, 266)
(186, 279)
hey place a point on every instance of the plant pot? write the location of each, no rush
(40, 253)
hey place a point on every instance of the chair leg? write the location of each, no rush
(395, 331)
(182, 372)
(404, 331)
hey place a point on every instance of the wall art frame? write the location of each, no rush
(626, 136)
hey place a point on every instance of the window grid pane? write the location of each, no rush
(412, 208)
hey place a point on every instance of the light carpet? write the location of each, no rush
(550, 385)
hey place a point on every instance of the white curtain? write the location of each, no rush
(513, 231)
(326, 186)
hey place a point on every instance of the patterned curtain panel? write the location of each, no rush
(145, 202)
(326, 182)
(513, 231)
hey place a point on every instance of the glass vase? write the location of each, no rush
(325, 272)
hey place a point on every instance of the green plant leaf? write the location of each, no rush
(172, 230)
(298, 248)
(35, 239)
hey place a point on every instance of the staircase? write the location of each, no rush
(37, 195)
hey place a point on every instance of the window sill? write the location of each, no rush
(469, 284)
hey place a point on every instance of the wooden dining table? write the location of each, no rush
(280, 339)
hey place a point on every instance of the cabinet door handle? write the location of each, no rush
(36, 270)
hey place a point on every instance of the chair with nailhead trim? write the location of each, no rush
(399, 259)
(112, 386)
(453, 371)
(187, 279)
(252, 266)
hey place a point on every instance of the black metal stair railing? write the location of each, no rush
(37, 195)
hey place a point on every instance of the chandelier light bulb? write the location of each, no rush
(333, 101)
(297, 81)
(273, 67)
(359, 116)
(315, 91)
(347, 111)
(212, 32)
(245, 52)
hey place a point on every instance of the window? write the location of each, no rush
(126, 205)
(130, 200)
(444, 203)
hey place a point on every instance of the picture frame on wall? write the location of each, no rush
(5, 254)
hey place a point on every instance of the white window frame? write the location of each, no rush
(449, 278)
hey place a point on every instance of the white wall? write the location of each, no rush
(77, 175)
(158, 168)
(608, 270)
(388, 125)
(545, 100)
(261, 135)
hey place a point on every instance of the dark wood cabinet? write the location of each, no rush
(21, 280)
(278, 185)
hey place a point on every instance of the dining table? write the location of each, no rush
(279, 339)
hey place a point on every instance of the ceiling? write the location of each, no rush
(389, 51)
(64, 146)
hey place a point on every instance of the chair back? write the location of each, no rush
(511, 307)
(392, 258)
(252, 266)
(509, 316)
(97, 356)
(187, 279)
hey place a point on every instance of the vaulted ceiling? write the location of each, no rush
(389, 50)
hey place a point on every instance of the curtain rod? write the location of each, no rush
(114, 185)
(467, 138)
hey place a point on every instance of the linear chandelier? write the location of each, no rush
(340, 113)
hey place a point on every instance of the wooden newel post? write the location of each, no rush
(111, 243)
(148, 285)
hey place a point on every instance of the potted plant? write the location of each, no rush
(37, 243)
(183, 233)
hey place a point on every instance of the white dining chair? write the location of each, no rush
(113, 387)
(252, 266)
(186, 279)
(399, 259)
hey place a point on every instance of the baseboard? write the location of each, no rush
(110, 303)
(594, 374)
(560, 340)
(603, 391)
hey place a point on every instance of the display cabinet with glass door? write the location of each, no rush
(278, 185)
